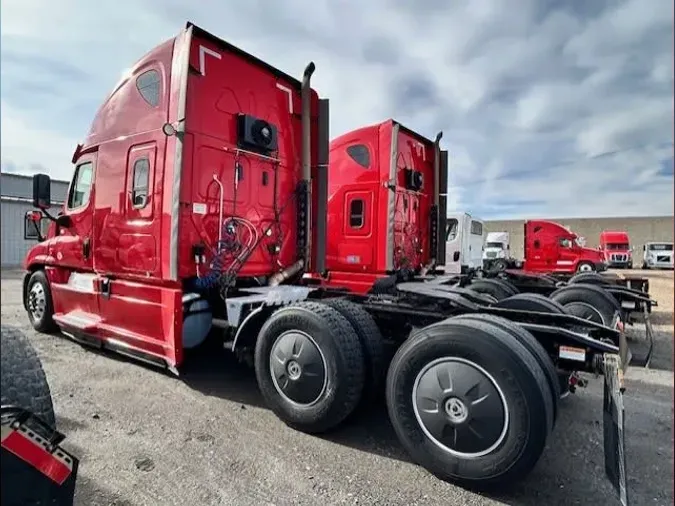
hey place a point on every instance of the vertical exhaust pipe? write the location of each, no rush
(435, 218)
(306, 92)
(437, 167)
(305, 196)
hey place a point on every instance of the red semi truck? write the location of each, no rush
(386, 189)
(198, 203)
(551, 248)
(616, 248)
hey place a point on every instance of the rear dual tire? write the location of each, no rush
(310, 367)
(470, 402)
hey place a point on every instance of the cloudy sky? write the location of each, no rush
(549, 108)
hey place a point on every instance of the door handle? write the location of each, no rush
(85, 248)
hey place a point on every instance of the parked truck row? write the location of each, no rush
(208, 201)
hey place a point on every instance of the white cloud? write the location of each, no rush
(548, 109)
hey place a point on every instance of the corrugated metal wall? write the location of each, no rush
(17, 192)
(14, 246)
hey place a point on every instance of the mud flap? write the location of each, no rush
(35, 470)
(613, 426)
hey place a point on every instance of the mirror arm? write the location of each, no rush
(46, 213)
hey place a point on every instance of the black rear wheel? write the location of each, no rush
(494, 287)
(588, 301)
(371, 340)
(531, 302)
(309, 366)
(535, 348)
(468, 403)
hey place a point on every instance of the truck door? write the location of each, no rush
(566, 255)
(137, 251)
(475, 244)
(72, 246)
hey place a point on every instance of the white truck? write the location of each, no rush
(497, 248)
(464, 236)
(657, 255)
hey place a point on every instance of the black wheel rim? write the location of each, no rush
(298, 368)
(460, 407)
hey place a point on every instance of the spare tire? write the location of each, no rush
(22, 380)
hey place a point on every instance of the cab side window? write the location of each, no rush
(565, 243)
(476, 228)
(81, 187)
(139, 192)
(360, 154)
(356, 213)
(451, 229)
(148, 85)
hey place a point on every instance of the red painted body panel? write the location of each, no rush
(138, 246)
(552, 248)
(357, 255)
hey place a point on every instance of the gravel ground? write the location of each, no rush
(148, 438)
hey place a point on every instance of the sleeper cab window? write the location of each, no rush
(476, 228)
(139, 191)
(81, 187)
(360, 154)
(148, 85)
(356, 213)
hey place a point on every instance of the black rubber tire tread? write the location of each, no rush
(345, 366)
(592, 295)
(518, 374)
(500, 265)
(530, 342)
(505, 282)
(46, 325)
(590, 278)
(371, 341)
(532, 302)
(491, 287)
(22, 380)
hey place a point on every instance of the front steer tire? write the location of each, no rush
(310, 367)
(481, 352)
(39, 303)
(22, 380)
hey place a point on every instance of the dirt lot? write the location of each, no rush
(147, 438)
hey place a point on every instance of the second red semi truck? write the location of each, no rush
(616, 249)
(199, 205)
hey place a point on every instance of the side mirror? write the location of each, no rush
(31, 226)
(42, 190)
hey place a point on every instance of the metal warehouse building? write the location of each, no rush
(16, 196)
